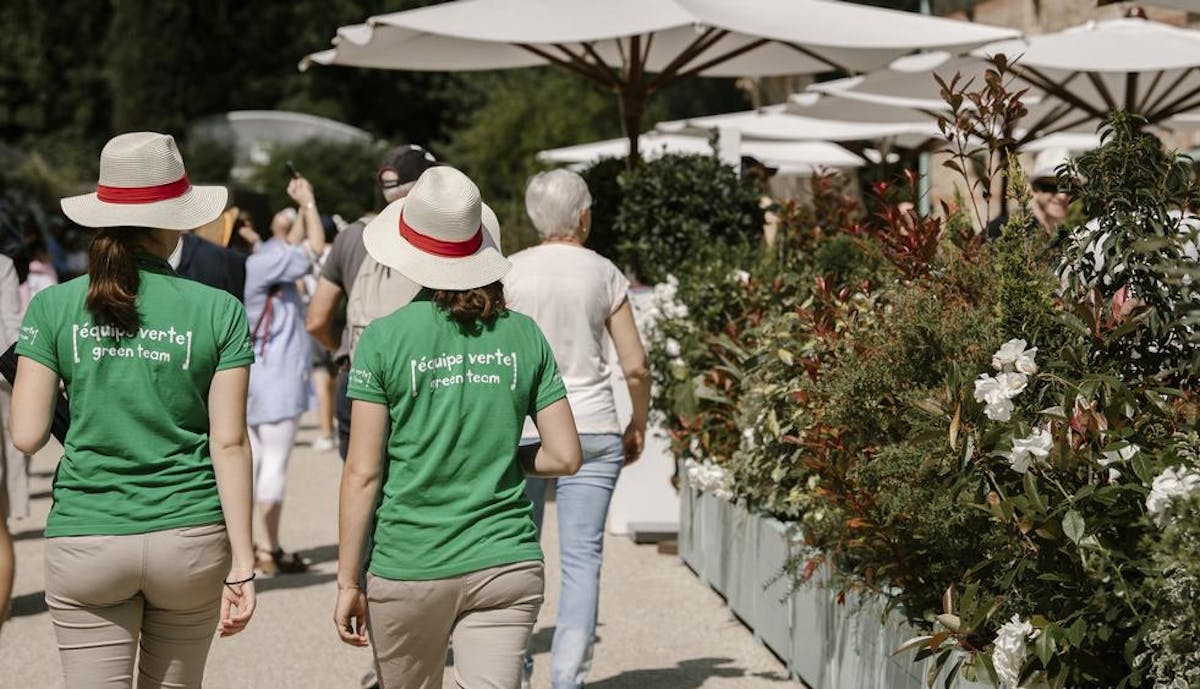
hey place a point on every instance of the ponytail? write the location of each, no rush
(113, 277)
(470, 306)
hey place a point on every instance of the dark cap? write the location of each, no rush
(408, 162)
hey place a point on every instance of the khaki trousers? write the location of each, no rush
(488, 615)
(160, 591)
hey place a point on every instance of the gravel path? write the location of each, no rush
(660, 628)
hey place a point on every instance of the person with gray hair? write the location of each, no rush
(579, 299)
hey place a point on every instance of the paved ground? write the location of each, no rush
(660, 628)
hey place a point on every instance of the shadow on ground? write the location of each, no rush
(689, 674)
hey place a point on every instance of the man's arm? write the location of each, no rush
(319, 321)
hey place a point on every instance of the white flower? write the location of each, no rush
(1111, 457)
(1172, 483)
(1013, 355)
(748, 441)
(672, 347)
(1026, 451)
(1009, 650)
(999, 411)
(740, 276)
(708, 477)
(998, 392)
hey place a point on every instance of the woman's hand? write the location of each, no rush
(350, 616)
(301, 191)
(237, 605)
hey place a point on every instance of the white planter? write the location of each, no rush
(825, 644)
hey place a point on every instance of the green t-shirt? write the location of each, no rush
(136, 456)
(454, 494)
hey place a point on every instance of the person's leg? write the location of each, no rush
(274, 448)
(323, 385)
(582, 502)
(409, 623)
(185, 570)
(500, 607)
(8, 560)
(92, 592)
(342, 408)
(15, 464)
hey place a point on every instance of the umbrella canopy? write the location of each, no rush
(791, 157)
(813, 117)
(1077, 75)
(636, 47)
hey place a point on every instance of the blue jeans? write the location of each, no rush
(582, 510)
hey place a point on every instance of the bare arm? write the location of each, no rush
(33, 400)
(632, 357)
(559, 454)
(361, 478)
(314, 233)
(229, 446)
(319, 321)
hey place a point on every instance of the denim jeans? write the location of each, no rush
(582, 511)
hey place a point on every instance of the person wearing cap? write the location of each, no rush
(580, 299)
(441, 389)
(279, 378)
(148, 539)
(397, 174)
(1050, 203)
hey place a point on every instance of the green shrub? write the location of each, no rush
(680, 207)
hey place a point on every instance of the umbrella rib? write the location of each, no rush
(572, 63)
(1043, 82)
(1046, 121)
(669, 73)
(599, 63)
(1174, 107)
(1102, 89)
(836, 66)
(1150, 91)
(1154, 107)
(725, 57)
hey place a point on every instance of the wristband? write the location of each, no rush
(243, 581)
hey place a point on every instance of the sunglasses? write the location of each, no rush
(1045, 186)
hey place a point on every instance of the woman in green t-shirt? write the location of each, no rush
(148, 539)
(445, 384)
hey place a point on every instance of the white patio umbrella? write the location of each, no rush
(814, 117)
(1076, 76)
(791, 157)
(636, 47)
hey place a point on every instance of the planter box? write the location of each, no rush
(824, 644)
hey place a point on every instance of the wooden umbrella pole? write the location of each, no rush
(632, 95)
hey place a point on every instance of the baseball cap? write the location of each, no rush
(408, 162)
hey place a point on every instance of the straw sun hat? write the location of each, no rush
(436, 235)
(143, 184)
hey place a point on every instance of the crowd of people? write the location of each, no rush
(458, 382)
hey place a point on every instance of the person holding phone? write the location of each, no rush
(441, 389)
(279, 378)
(148, 539)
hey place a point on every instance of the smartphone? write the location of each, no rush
(291, 169)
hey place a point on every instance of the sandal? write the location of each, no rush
(288, 563)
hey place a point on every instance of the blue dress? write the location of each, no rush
(279, 378)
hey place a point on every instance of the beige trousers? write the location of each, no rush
(488, 615)
(160, 591)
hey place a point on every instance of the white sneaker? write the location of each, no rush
(324, 444)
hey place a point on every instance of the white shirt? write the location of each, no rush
(571, 292)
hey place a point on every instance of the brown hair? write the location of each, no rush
(472, 305)
(113, 277)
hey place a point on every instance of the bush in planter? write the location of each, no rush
(682, 207)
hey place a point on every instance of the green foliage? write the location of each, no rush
(1173, 647)
(342, 175)
(603, 180)
(679, 207)
(869, 409)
